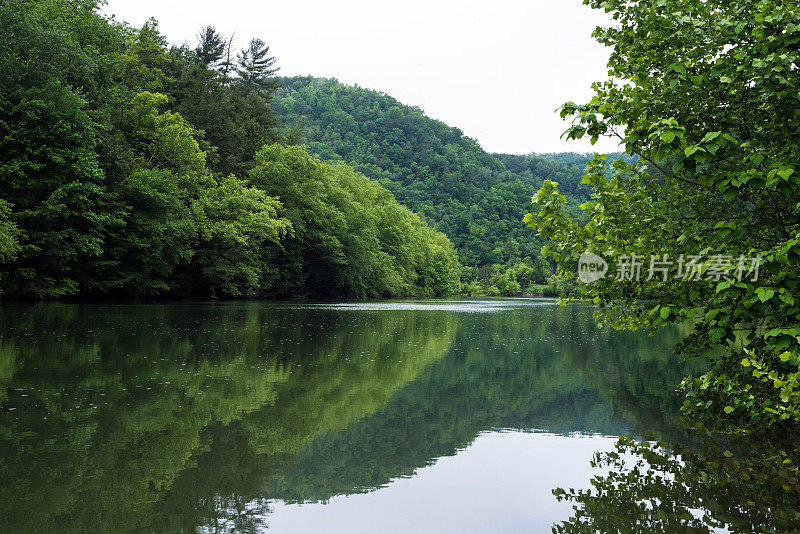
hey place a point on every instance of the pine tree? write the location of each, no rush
(211, 47)
(256, 66)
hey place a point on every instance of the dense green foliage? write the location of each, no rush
(565, 168)
(707, 93)
(350, 236)
(126, 167)
(720, 179)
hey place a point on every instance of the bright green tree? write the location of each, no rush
(350, 236)
(167, 176)
(707, 94)
(9, 234)
(236, 221)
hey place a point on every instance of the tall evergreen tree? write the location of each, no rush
(211, 47)
(256, 66)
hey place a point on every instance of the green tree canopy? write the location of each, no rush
(706, 93)
(350, 236)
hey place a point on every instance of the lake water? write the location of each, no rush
(413, 416)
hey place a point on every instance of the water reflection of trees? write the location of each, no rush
(648, 487)
(108, 406)
(550, 369)
(177, 417)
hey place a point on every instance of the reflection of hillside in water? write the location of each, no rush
(548, 369)
(167, 417)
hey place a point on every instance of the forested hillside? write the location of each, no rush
(475, 198)
(129, 168)
(433, 168)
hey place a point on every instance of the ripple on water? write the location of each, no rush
(464, 306)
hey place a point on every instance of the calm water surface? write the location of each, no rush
(413, 416)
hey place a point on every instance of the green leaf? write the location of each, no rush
(764, 294)
(716, 334)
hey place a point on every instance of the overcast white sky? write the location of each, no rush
(497, 70)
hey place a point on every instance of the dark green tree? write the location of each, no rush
(256, 67)
(50, 172)
(210, 49)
